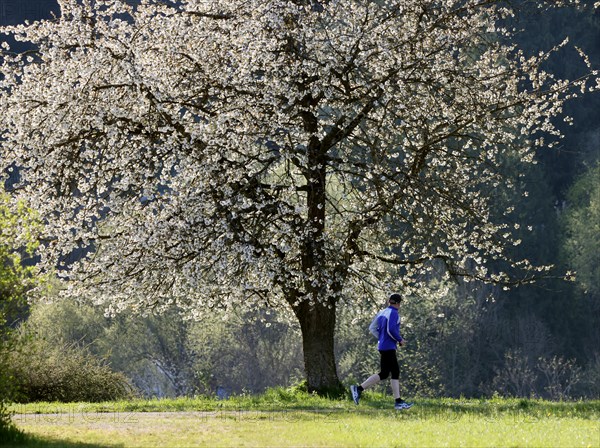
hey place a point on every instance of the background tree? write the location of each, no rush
(274, 154)
(582, 236)
(19, 227)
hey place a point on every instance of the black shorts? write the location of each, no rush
(389, 364)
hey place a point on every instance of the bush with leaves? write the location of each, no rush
(146, 350)
(7, 389)
(19, 227)
(246, 351)
(65, 372)
(167, 355)
(589, 386)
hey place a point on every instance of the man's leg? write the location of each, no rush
(395, 370)
(371, 381)
(357, 390)
(396, 389)
(399, 403)
(385, 367)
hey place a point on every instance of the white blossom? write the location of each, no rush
(272, 152)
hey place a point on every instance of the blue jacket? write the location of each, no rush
(386, 328)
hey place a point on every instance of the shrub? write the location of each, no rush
(67, 373)
(561, 375)
(19, 227)
(6, 386)
(516, 377)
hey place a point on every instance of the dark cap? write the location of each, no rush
(395, 298)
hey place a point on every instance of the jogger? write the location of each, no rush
(386, 327)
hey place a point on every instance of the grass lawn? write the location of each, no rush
(279, 418)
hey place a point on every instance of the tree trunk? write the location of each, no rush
(315, 313)
(317, 323)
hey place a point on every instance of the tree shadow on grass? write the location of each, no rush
(18, 439)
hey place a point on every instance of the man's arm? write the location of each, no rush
(374, 326)
(393, 327)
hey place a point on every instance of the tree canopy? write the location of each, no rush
(287, 154)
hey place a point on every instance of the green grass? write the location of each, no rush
(291, 418)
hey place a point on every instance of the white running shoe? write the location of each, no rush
(355, 393)
(403, 405)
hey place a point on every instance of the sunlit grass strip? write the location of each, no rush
(350, 427)
(284, 399)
